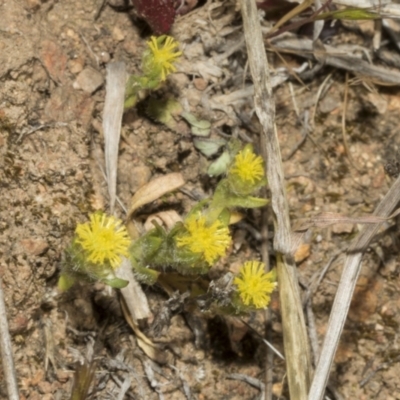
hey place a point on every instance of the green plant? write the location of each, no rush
(191, 247)
(157, 63)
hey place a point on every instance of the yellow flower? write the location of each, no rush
(211, 241)
(254, 285)
(103, 239)
(160, 56)
(248, 167)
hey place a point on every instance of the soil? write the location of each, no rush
(52, 72)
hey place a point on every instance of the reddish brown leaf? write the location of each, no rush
(159, 14)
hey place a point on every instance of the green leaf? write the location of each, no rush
(220, 165)
(224, 197)
(130, 102)
(246, 202)
(164, 111)
(116, 283)
(208, 147)
(145, 275)
(65, 282)
(349, 14)
(199, 127)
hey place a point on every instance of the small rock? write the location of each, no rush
(117, 34)
(19, 324)
(378, 102)
(389, 309)
(35, 247)
(76, 65)
(328, 104)
(277, 327)
(341, 228)
(44, 387)
(89, 80)
(365, 181)
(200, 83)
(105, 57)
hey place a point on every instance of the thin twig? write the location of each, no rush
(248, 379)
(6, 351)
(304, 133)
(325, 85)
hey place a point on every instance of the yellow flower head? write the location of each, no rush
(254, 285)
(158, 59)
(211, 241)
(103, 239)
(248, 167)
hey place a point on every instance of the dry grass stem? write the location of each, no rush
(341, 59)
(6, 351)
(294, 330)
(112, 120)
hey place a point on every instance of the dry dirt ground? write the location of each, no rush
(52, 69)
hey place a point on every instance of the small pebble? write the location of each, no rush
(118, 35)
(200, 83)
(105, 57)
(89, 80)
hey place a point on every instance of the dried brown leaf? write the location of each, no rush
(152, 350)
(164, 218)
(155, 189)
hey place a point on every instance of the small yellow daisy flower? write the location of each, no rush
(160, 56)
(211, 241)
(248, 167)
(254, 285)
(103, 239)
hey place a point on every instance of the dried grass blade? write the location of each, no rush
(295, 335)
(112, 119)
(83, 379)
(135, 299)
(326, 219)
(345, 291)
(303, 47)
(10, 378)
(296, 11)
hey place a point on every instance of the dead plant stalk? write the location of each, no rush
(294, 330)
(10, 378)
